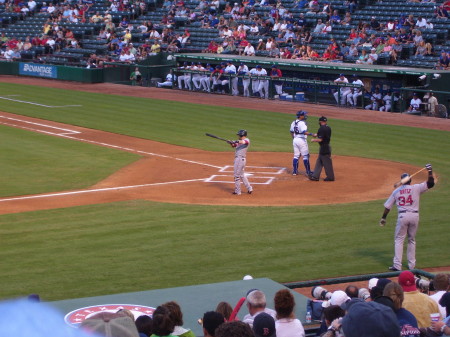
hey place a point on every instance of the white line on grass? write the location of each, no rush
(45, 106)
(69, 132)
(98, 190)
(43, 125)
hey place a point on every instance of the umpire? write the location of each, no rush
(323, 137)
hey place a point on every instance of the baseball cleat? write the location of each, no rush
(313, 178)
(294, 173)
(250, 192)
(328, 179)
(235, 193)
(392, 268)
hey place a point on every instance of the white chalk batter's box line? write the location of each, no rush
(254, 179)
(256, 169)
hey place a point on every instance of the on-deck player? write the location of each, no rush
(299, 142)
(240, 159)
(407, 198)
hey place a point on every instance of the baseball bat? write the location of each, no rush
(406, 179)
(217, 137)
(236, 309)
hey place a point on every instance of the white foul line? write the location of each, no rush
(39, 124)
(45, 106)
(98, 190)
(69, 132)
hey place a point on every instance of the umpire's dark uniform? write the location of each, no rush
(324, 159)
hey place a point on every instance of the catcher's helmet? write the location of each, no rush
(405, 175)
(301, 113)
(242, 133)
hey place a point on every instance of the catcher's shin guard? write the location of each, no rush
(306, 163)
(295, 166)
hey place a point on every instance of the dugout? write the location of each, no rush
(315, 79)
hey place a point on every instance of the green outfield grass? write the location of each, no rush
(132, 246)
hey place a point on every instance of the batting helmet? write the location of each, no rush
(242, 133)
(405, 175)
(301, 113)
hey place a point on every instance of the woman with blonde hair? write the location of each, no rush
(405, 318)
(286, 324)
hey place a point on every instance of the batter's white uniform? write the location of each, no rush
(299, 143)
(240, 159)
(407, 198)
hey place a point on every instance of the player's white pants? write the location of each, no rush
(187, 81)
(279, 89)
(352, 97)
(263, 88)
(246, 84)
(206, 83)
(196, 80)
(300, 146)
(181, 79)
(234, 86)
(239, 174)
(255, 86)
(372, 106)
(225, 84)
(164, 84)
(344, 94)
(386, 107)
(407, 224)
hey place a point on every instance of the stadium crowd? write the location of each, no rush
(410, 307)
(281, 32)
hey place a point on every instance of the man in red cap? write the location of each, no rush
(420, 305)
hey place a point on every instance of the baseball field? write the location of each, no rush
(108, 189)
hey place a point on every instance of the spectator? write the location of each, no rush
(211, 321)
(111, 325)
(286, 324)
(370, 319)
(441, 282)
(444, 61)
(420, 305)
(406, 320)
(177, 317)
(319, 27)
(352, 291)
(162, 322)
(264, 326)
(374, 24)
(144, 325)
(224, 308)
(249, 50)
(373, 56)
(332, 315)
(234, 329)
(256, 299)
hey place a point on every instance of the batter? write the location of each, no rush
(299, 142)
(407, 198)
(240, 159)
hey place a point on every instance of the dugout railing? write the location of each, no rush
(295, 89)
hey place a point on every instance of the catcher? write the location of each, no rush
(240, 159)
(407, 198)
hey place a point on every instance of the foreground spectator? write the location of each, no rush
(211, 321)
(406, 320)
(441, 282)
(111, 325)
(144, 325)
(264, 326)
(177, 317)
(420, 305)
(370, 319)
(234, 329)
(256, 304)
(286, 324)
(163, 325)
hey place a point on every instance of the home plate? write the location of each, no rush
(227, 179)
